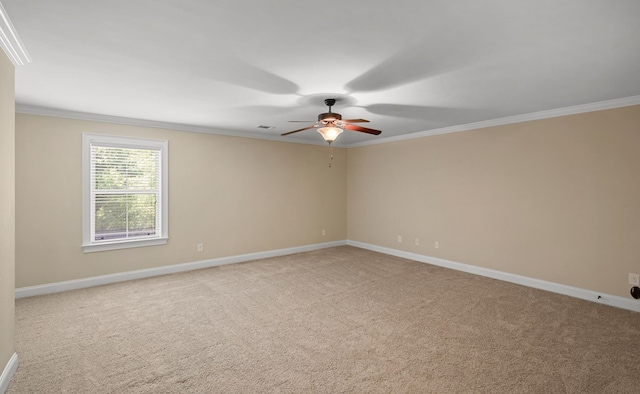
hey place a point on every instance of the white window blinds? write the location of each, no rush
(125, 190)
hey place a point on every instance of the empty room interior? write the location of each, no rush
(361, 196)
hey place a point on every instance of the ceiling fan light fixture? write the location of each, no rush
(330, 133)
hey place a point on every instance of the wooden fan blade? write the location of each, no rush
(305, 128)
(355, 120)
(362, 129)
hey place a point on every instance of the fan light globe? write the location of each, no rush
(330, 133)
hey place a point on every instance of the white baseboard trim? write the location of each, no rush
(56, 287)
(576, 292)
(8, 372)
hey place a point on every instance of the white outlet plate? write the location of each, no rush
(324, 232)
(400, 238)
(634, 279)
(200, 247)
(417, 241)
(436, 244)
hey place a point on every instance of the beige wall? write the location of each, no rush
(7, 209)
(235, 195)
(555, 199)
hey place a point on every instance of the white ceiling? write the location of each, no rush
(406, 65)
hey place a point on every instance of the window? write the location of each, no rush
(124, 192)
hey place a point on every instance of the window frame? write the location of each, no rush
(88, 139)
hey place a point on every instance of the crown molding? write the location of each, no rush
(578, 109)
(553, 113)
(10, 41)
(61, 113)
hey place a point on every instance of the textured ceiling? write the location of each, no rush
(407, 66)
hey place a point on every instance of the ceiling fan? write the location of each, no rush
(330, 124)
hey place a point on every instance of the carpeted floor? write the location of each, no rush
(329, 321)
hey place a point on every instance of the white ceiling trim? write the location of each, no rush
(553, 113)
(10, 41)
(578, 109)
(59, 113)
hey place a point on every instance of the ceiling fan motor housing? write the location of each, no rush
(328, 117)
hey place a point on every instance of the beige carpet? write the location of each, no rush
(329, 321)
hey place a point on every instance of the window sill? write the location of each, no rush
(101, 247)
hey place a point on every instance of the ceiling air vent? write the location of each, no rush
(266, 127)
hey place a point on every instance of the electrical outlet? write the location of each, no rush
(200, 247)
(399, 238)
(634, 279)
(324, 232)
(436, 244)
(417, 241)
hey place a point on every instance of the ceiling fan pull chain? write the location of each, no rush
(331, 158)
